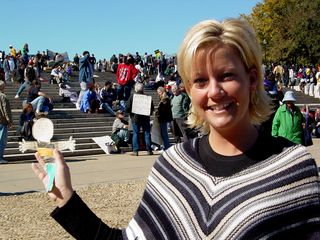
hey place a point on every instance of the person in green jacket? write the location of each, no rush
(288, 121)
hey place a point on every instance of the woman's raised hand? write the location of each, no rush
(62, 189)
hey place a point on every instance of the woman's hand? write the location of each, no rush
(62, 189)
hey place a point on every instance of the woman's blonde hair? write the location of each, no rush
(234, 33)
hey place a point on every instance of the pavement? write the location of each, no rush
(18, 178)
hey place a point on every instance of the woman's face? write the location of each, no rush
(220, 88)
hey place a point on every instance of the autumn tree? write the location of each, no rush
(288, 30)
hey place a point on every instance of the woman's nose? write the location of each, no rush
(215, 89)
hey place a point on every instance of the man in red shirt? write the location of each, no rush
(126, 73)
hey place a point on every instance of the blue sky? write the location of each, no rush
(106, 27)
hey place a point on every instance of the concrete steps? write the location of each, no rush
(303, 99)
(68, 121)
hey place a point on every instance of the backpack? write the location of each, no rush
(30, 73)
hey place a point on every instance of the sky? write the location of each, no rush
(105, 27)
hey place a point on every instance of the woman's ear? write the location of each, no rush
(253, 77)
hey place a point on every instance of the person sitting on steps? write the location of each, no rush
(120, 131)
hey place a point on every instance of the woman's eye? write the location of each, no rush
(200, 82)
(228, 75)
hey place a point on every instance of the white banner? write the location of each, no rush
(141, 104)
(105, 143)
(63, 56)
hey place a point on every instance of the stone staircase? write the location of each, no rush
(303, 99)
(68, 121)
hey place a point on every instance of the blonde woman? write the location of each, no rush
(235, 182)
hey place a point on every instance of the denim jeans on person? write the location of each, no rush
(164, 134)
(107, 108)
(23, 86)
(123, 93)
(124, 134)
(38, 103)
(145, 125)
(3, 139)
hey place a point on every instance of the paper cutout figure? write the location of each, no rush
(42, 131)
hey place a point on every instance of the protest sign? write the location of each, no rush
(105, 143)
(141, 104)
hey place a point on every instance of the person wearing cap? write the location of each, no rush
(120, 130)
(288, 120)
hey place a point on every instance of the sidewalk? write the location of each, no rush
(86, 170)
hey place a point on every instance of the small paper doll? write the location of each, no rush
(42, 131)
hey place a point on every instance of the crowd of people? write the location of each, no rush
(156, 72)
(306, 78)
(27, 70)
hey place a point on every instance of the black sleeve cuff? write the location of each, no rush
(78, 220)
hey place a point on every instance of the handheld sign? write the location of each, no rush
(141, 104)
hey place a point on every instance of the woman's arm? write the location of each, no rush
(72, 213)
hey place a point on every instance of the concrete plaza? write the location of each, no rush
(17, 178)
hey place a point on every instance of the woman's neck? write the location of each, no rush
(234, 142)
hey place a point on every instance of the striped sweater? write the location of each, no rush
(276, 198)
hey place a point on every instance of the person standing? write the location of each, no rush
(76, 60)
(6, 68)
(140, 121)
(25, 52)
(85, 75)
(278, 71)
(126, 72)
(179, 107)
(114, 63)
(85, 68)
(13, 51)
(317, 88)
(288, 120)
(5, 121)
(92, 61)
(164, 116)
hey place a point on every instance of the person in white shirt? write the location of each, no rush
(56, 74)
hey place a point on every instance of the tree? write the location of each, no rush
(288, 29)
